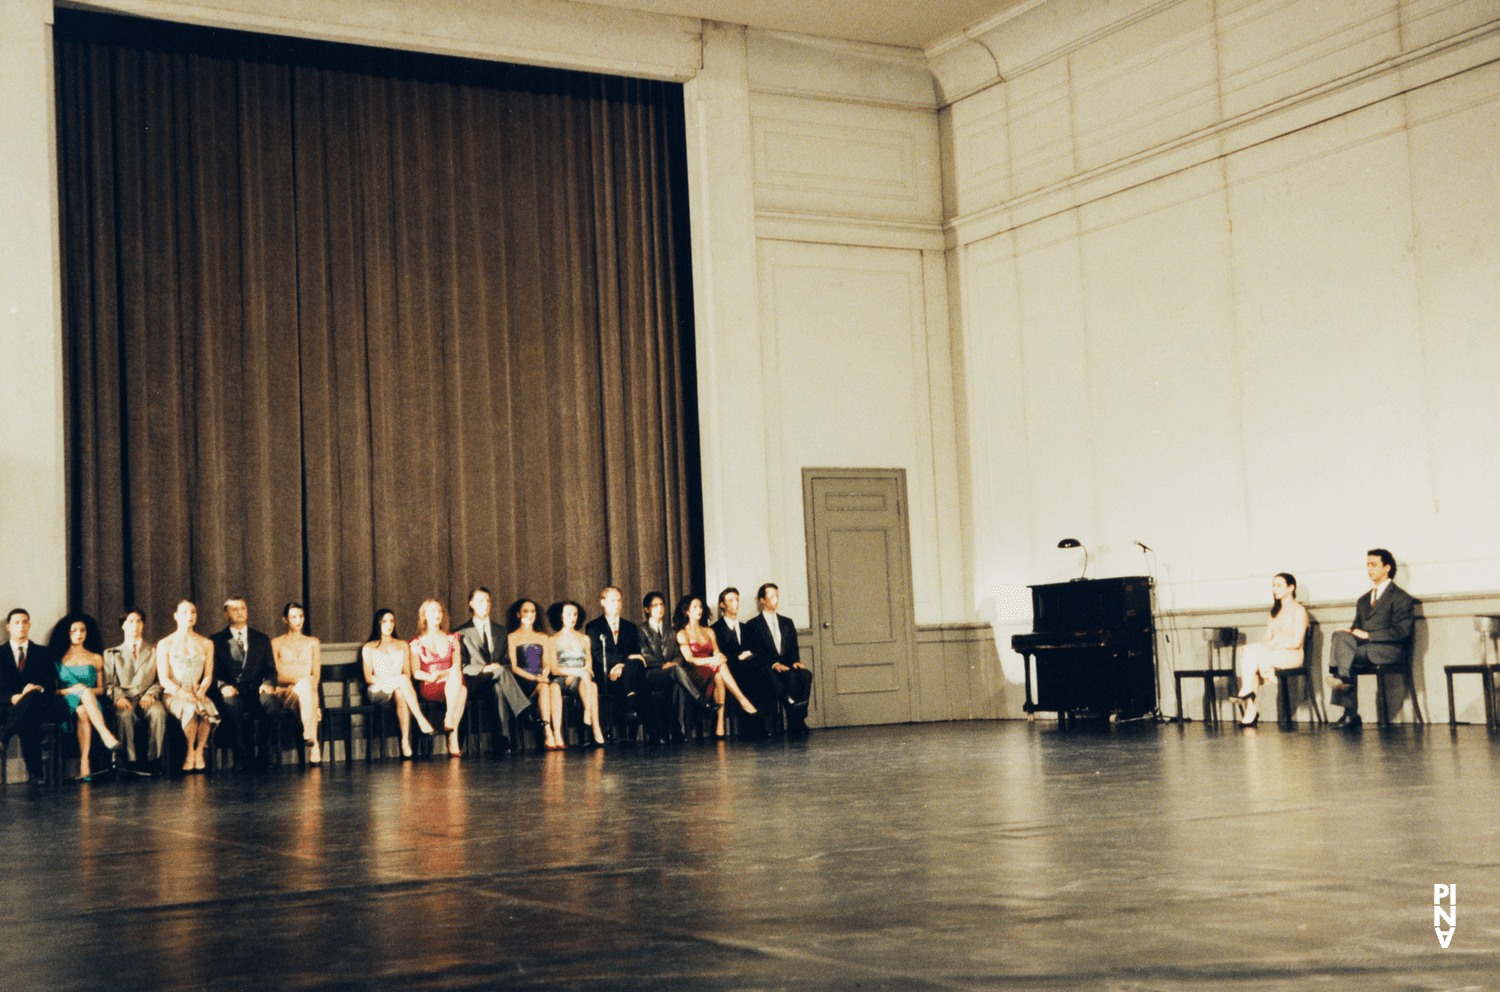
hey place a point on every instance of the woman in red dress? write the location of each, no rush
(705, 665)
(437, 674)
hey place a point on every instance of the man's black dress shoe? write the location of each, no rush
(1347, 721)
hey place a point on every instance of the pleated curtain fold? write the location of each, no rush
(355, 328)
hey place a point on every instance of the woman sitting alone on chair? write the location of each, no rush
(80, 681)
(438, 674)
(528, 661)
(1280, 648)
(299, 667)
(185, 669)
(706, 665)
(572, 664)
(387, 661)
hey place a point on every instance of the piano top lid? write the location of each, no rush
(1091, 604)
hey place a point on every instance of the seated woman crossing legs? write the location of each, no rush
(299, 664)
(388, 665)
(705, 663)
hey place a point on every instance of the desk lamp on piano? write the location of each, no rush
(1094, 646)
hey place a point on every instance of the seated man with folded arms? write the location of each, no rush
(131, 684)
(1383, 622)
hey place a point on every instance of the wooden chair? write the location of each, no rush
(1489, 627)
(1401, 667)
(1308, 672)
(53, 740)
(341, 685)
(1217, 639)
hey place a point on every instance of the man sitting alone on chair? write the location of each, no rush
(1382, 628)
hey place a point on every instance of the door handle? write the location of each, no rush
(826, 625)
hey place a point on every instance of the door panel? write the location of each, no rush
(859, 565)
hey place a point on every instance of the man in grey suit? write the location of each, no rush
(130, 682)
(487, 670)
(1381, 634)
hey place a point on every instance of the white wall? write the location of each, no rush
(33, 529)
(1227, 283)
(854, 353)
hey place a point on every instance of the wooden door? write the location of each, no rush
(859, 574)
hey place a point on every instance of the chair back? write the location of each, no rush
(341, 683)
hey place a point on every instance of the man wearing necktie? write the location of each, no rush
(244, 686)
(756, 679)
(131, 684)
(619, 666)
(772, 638)
(28, 685)
(1381, 634)
(487, 672)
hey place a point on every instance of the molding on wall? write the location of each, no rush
(553, 33)
(857, 231)
(786, 64)
(1334, 98)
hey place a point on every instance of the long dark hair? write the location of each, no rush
(680, 615)
(61, 637)
(375, 625)
(513, 617)
(1290, 580)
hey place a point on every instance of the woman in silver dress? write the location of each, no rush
(185, 668)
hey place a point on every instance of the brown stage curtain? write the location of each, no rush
(356, 328)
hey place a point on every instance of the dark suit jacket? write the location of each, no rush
(473, 652)
(659, 649)
(616, 649)
(259, 666)
(756, 636)
(41, 669)
(729, 641)
(1389, 623)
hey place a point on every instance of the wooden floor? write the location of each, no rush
(938, 856)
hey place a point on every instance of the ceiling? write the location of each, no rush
(908, 23)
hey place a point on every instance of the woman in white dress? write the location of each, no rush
(387, 661)
(1280, 648)
(185, 668)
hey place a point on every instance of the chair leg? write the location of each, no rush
(1411, 692)
(1177, 685)
(1452, 713)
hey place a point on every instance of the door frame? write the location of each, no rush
(824, 675)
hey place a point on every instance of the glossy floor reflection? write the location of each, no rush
(949, 856)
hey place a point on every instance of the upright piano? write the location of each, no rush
(1094, 645)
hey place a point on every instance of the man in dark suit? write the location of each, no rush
(674, 697)
(487, 672)
(773, 638)
(757, 681)
(1383, 621)
(28, 686)
(244, 686)
(619, 668)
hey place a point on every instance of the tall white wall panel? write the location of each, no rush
(1254, 350)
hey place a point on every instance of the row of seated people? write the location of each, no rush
(649, 677)
(1380, 634)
